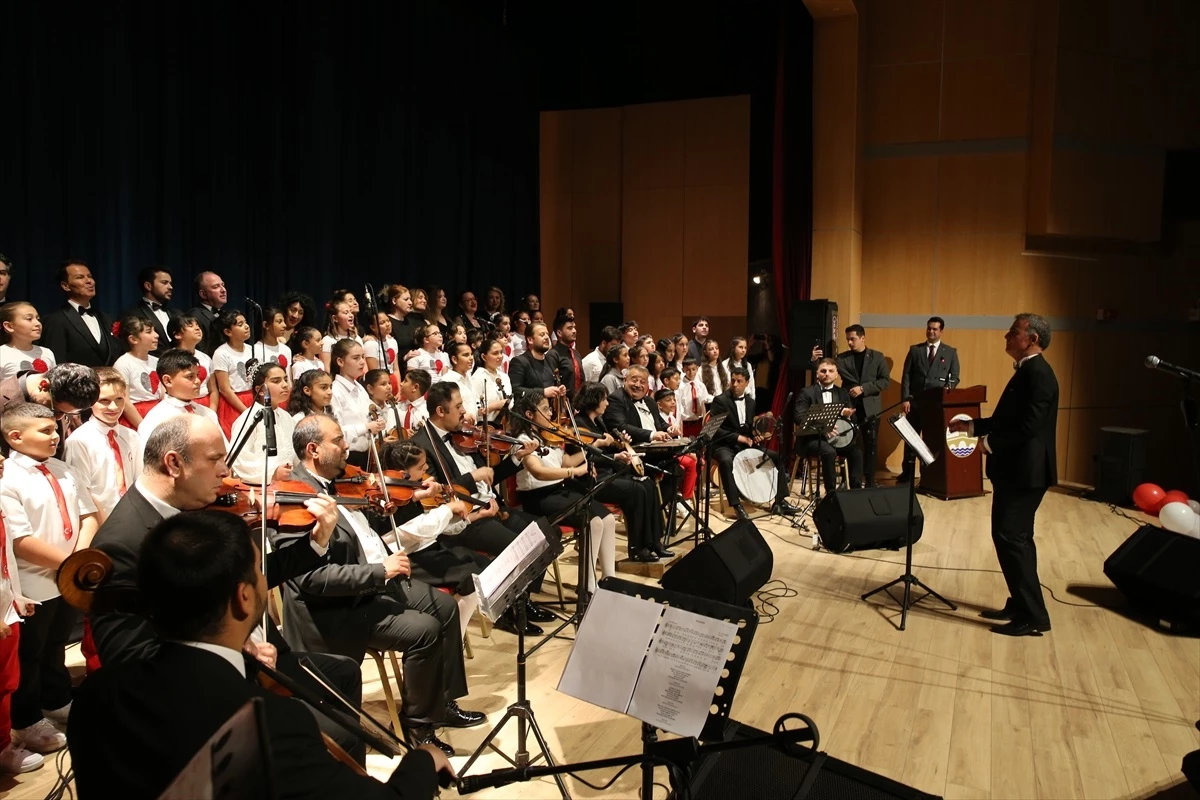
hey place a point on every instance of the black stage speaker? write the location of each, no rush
(730, 567)
(1157, 571)
(865, 519)
(1120, 464)
(810, 322)
(768, 773)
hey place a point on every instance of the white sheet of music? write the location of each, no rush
(657, 663)
(905, 429)
(507, 566)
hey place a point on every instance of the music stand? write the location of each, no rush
(702, 442)
(818, 420)
(913, 439)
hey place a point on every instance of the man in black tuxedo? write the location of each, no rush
(155, 283)
(632, 411)
(1019, 439)
(210, 288)
(184, 464)
(932, 364)
(737, 434)
(533, 370)
(357, 600)
(822, 393)
(200, 579)
(865, 376)
(563, 358)
(79, 332)
(485, 531)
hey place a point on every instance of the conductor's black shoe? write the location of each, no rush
(1021, 627)
(784, 509)
(661, 552)
(740, 512)
(535, 613)
(508, 624)
(642, 556)
(456, 717)
(418, 735)
(1005, 613)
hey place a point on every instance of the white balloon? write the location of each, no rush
(1194, 505)
(1177, 517)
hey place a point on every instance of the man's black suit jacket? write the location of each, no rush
(920, 375)
(206, 316)
(527, 374)
(811, 396)
(1022, 429)
(124, 637)
(730, 429)
(164, 340)
(874, 379)
(165, 707)
(68, 337)
(622, 415)
(500, 473)
(560, 359)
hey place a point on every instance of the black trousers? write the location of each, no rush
(423, 623)
(869, 433)
(724, 455)
(638, 501)
(343, 674)
(1013, 512)
(45, 680)
(492, 535)
(550, 501)
(816, 446)
(451, 567)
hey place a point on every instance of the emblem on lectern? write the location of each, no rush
(961, 445)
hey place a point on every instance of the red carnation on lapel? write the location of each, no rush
(39, 365)
(116, 328)
(203, 373)
(154, 382)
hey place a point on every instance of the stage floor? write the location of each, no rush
(1102, 706)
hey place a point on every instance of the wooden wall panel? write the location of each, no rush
(652, 256)
(902, 103)
(717, 136)
(903, 32)
(983, 192)
(1139, 102)
(986, 98)
(1078, 189)
(980, 273)
(596, 150)
(900, 194)
(983, 28)
(1083, 87)
(897, 273)
(715, 232)
(835, 93)
(652, 144)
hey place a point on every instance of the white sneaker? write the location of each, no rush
(15, 759)
(41, 737)
(58, 716)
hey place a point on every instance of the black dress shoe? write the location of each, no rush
(535, 613)
(1021, 627)
(740, 512)
(508, 624)
(456, 717)
(642, 556)
(784, 509)
(661, 551)
(998, 613)
(418, 735)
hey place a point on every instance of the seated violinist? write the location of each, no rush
(200, 580)
(355, 601)
(637, 497)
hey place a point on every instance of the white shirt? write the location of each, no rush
(423, 529)
(203, 371)
(552, 459)
(436, 363)
(160, 313)
(466, 388)
(88, 452)
(351, 405)
(249, 463)
(412, 414)
(31, 509)
(464, 463)
(232, 363)
(13, 361)
(683, 399)
(746, 365)
(389, 352)
(826, 394)
(484, 384)
(372, 544)
(173, 407)
(140, 375)
(644, 413)
(234, 657)
(739, 404)
(327, 342)
(518, 344)
(280, 353)
(90, 320)
(593, 365)
(301, 366)
(10, 588)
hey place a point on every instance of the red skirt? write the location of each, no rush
(205, 401)
(143, 408)
(227, 415)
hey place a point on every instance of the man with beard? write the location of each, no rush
(532, 371)
(155, 283)
(211, 290)
(563, 359)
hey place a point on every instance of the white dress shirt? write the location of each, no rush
(746, 365)
(464, 463)
(412, 414)
(173, 407)
(593, 365)
(88, 452)
(160, 314)
(689, 412)
(484, 384)
(739, 404)
(10, 587)
(351, 406)
(249, 463)
(553, 459)
(644, 413)
(235, 657)
(90, 320)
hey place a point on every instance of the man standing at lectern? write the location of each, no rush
(929, 365)
(1019, 439)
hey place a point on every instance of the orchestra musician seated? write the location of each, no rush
(824, 392)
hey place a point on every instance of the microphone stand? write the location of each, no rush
(270, 448)
(369, 297)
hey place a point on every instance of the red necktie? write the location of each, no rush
(408, 419)
(116, 448)
(695, 400)
(187, 407)
(3, 549)
(65, 515)
(578, 370)
(931, 352)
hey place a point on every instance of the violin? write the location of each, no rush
(399, 484)
(285, 500)
(469, 439)
(451, 492)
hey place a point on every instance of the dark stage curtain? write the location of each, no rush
(301, 145)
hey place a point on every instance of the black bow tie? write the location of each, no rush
(154, 306)
(88, 310)
(741, 399)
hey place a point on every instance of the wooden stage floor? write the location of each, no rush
(1102, 706)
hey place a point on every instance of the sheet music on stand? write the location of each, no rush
(653, 660)
(819, 419)
(507, 576)
(903, 427)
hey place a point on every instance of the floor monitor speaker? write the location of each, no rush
(730, 567)
(865, 519)
(1157, 572)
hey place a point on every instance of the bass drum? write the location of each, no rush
(755, 476)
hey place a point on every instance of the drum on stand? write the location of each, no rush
(756, 476)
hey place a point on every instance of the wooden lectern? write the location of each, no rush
(957, 471)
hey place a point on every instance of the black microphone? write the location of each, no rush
(1154, 362)
(497, 777)
(269, 423)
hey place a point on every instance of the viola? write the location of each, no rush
(285, 500)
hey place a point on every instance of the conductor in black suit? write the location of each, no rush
(1019, 439)
(932, 364)
(200, 579)
(737, 434)
(79, 332)
(865, 376)
(822, 393)
(156, 286)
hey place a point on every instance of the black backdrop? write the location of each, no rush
(306, 145)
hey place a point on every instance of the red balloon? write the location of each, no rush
(1174, 496)
(1149, 497)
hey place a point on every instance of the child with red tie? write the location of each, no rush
(186, 333)
(692, 398)
(48, 512)
(137, 368)
(179, 374)
(106, 455)
(411, 402)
